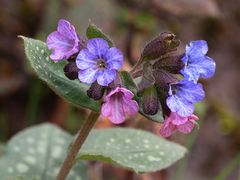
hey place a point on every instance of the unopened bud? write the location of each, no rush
(71, 70)
(159, 46)
(95, 91)
(162, 95)
(150, 103)
(147, 77)
(172, 64)
(164, 78)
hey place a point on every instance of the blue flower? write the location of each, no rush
(197, 64)
(98, 62)
(182, 95)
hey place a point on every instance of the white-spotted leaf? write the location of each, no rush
(52, 73)
(38, 153)
(138, 150)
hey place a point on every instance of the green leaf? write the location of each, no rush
(38, 153)
(52, 73)
(16, 178)
(2, 149)
(128, 82)
(94, 32)
(133, 149)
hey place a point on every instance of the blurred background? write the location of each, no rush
(214, 148)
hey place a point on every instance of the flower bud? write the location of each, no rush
(150, 103)
(147, 77)
(164, 78)
(162, 95)
(71, 70)
(159, 46)
(172, 64)
(95, 91)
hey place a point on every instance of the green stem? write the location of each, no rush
(76, 145)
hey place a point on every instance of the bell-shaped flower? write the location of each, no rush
(98, 62)
(176, 122)
(183, 95)
(64, 42)
(118, 104)
(197, 64)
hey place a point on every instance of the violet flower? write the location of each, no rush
(118, 104)
(176, 122)
(183, 95)
(98, 62)
(197, 64)
(64, 42)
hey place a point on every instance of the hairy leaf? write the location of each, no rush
(138, 150)
(94, 32)
(52, 73)
(38, 153)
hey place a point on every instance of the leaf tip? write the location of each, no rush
(20, 36)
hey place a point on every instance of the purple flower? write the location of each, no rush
(182, 95)
(118, 103)
(98, 62)
(175, 122)
(64, 42)
(197, 64)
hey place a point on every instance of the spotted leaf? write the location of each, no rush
(137, 150)
(52, 73)
(37, 153)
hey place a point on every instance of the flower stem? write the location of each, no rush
(76, 145)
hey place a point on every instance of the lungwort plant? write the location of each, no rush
(87, 72)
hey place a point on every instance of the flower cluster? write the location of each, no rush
(168, 80)
(93, 62)
(175, 78)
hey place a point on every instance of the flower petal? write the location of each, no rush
(60, 45)
(196, 49)
(64, 42)
(88, 75)
(114, 58)
(106, 109)
(117, 114)
(180, 105)
(190, 73)
(127, 93)
(167, 128)
(112, 92)
(206, 67)
(86, 59)
(98, 47)
(57, 55)
(130, 107)
(186, 128)
(67, 30)
(203, 67)
(105, 77)
(190, 91)
(176, 119)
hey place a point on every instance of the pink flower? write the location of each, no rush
(118, 104)
(176, 122)
(64, 42)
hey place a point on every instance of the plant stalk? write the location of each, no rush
(76, 146)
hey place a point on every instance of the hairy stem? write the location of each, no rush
(76, 145)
